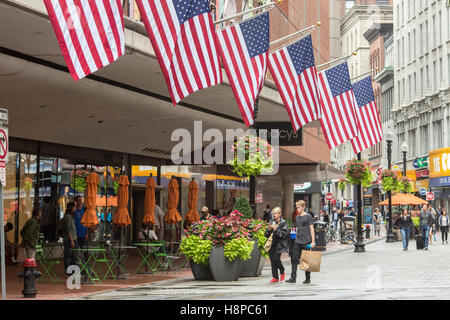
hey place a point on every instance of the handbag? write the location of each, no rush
(310, 260)
(269, 240)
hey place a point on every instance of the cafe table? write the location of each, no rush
(47, 261)
(146, 251)
(120, 259)
(90, 258)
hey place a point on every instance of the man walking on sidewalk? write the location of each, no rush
(305, 240)
(425, 222)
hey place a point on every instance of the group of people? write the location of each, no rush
(430, 222)
(279, 233)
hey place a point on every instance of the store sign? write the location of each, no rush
(258, 198)
(422, 173)
(440, 163)
(420, 163)
(286, 135)
(423, 191)
(302, 187)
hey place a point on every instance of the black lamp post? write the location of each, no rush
(390, 235)
(359, 245)
(404, 151)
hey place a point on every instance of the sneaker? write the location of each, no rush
(273, 280)
(282, 277)
(404, 249)
(446, 242)
(426, 248)
(290, 280)
(307, 281)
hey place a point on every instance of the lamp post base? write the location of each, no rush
(359, 245)
(390, 237)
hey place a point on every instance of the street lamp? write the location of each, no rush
(359, 244)
(389, 139)
(404, 151)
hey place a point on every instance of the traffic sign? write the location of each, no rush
(430, 196)
(423, 191)
(4, 143)
(329, 196)
(3, 116)
(3, 172)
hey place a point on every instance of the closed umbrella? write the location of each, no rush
(192, 215)
(149, 204)
(89, 218)
(122, 217)
(172, 216)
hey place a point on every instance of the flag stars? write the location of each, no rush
(188, 9)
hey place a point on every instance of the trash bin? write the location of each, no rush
(420, 242)
(320, 229)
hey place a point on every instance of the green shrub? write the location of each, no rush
(196, 249)
(243, 206)
(238, 248)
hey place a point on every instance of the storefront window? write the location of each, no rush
(27, 182)
(10, 193)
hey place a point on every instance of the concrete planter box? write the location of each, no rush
(200, 272)
(221, 268)
(251, 266)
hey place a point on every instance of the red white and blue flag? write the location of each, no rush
(338, 105)
(370, 132)
(183, 37)
(90, 33)
(295, 75)
(244, 49)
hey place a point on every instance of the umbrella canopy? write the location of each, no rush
(122, 217)
(149, 215)
(192, 215)
(403, 199)
(172, 216)
(101, 201)
(89, 218)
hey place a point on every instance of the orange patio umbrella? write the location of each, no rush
(403, 199)
(89, 218)
(192, 214)
(122, 217)
(172, 216)
(149, 215)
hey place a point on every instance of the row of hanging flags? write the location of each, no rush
(189, 51)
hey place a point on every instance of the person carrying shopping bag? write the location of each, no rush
(279, 232)
(304, 241)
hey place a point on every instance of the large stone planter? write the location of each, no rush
(262, 261)
(250, 267)
(221, 268)
(200, 272)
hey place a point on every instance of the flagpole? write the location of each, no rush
(310, 28)
(336, 60)
(244, 13)
(363, 74)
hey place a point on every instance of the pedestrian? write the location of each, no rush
(304, 240)
(205, 213)
(30, 233)
(341, 216)
(11, 248)
(425, 222)
(405, 223)
(443, 224)
(147, 233)
(69, 232)
(267, 214)
(432, 234)
(81, 229)
(438, 215)
(280, 231)
(335, 216)
(376, 222)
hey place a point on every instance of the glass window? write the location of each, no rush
(11, 196)
(27, 181)
(412, 142)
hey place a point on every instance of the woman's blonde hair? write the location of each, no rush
(276, 210)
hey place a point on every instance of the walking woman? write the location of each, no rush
(304, 241)
(443, 225)
(280, 231)
(405, 223)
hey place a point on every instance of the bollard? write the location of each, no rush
(29, 275)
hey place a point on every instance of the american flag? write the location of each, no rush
(183, 37)
(295, 75)
(370, 131)
(338, 106)
(244, 49)
(90, 33)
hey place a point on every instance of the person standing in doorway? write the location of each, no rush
(443, 224)
(70, 237)
(304, 241)
(280, 232)
(81, 229)
(267, 214)
(30, 233)
(425, 222)
(405, 223)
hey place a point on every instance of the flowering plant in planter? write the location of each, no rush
(257, 229)
(358, 171)
(252, 155)
(79, 180)
(389, 180)
(404, 185)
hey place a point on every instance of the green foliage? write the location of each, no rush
(238, 248)
(243, 206)
(359, 171)
(196, 249)
(342, 185)
(261, 239)
(404, 185)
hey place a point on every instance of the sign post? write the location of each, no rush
(3, 158)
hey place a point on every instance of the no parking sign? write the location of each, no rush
(4, 142)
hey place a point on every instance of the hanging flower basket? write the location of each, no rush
(342, 184)
(79, 180)
(389, 180)
(358, 171)
(252, 155)
(404, 185)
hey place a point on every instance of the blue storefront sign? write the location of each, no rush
(440, 182)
